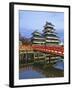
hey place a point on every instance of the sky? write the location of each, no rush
(29, 21)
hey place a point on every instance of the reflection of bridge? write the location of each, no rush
(57, 50)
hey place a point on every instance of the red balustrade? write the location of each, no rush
(59, 50)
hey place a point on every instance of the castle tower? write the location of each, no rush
(37, 38)
(50, 35)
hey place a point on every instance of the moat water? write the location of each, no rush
(30, 72)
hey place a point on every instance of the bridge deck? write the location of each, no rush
(57, 50)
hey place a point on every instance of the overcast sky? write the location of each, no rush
(30, 21)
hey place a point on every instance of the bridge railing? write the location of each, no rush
(59, 50)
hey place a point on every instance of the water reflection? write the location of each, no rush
(29, 72)
(59, 65)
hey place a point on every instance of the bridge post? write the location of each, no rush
(34, 56)
(45, 57)
(26, 57)
(38, 55)
(49, 58)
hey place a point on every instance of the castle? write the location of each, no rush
(48, 37)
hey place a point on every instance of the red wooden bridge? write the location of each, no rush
(57, 50)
